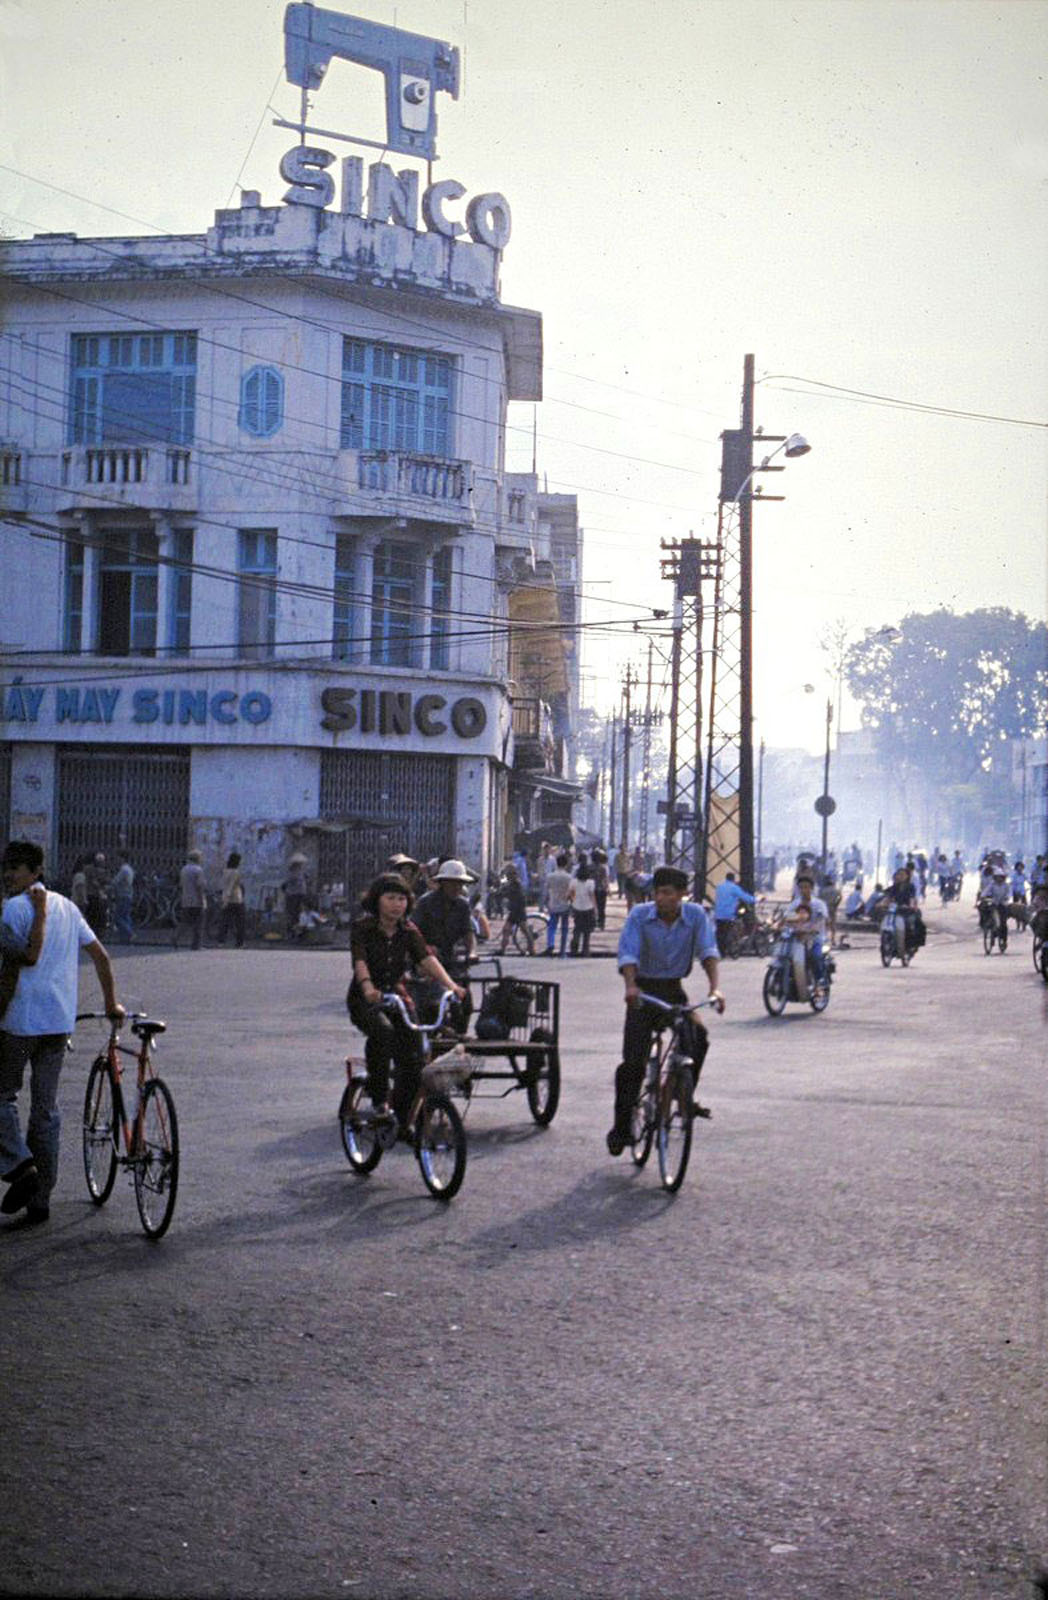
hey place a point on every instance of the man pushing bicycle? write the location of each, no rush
(657, 948)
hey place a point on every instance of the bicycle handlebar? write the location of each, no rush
(394, 1002)
(676, 1008)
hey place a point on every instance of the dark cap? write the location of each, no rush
(669, 878)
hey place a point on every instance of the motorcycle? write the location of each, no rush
(898, 937)
(790, 975)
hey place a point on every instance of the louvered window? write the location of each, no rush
(261, 402)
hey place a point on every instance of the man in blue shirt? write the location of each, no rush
(726, 902)
(658, 944)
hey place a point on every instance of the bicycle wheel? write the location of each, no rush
(359, 1137)
(440, 1145)
(535, 924)
(156, 1159)
(1044, 959)
(1037, 945)
(642, 1128)
(775, 990)
(142, 910)
(887, 949)
(543, 1082)
(762, 942)
(99, 1132)
(989, 939)
(675, 1127)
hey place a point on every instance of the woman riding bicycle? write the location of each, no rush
(385, 947)
(657, 947)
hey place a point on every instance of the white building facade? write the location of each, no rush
(255, 526)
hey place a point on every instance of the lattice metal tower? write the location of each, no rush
(689, 564)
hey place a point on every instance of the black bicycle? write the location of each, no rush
(664, 1110)
(433, 1128)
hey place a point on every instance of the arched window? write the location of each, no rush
(261, 401)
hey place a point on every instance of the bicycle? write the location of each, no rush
(994, 925)
(433, 1124)
(664, 1112)
(146, 1144)
(529, 937)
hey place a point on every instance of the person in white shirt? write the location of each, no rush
(583, 908)
(36, 1026)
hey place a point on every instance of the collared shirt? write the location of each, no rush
(388, 960)
(729, 897)
(443, 922)
(191, 886)
(45, 999)
(666, 950)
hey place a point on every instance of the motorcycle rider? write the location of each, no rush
(903, 896)
(994, 902)
(808, 916)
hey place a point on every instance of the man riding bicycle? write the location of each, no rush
(657, 947)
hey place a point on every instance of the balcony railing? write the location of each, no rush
(420, 477)
(145, 475)
(532, 733)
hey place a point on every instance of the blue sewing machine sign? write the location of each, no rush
(413, 66)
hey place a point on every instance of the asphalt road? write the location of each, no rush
(819, 1370)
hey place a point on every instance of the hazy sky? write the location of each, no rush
(854, 190)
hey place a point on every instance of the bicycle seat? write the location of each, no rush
(145, 1029)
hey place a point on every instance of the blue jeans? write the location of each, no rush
(122, 918)
(45, 1054)
(561, 918)
(818, 959)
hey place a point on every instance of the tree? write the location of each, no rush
(947, 691)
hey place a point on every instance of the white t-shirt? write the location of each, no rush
(45, 998)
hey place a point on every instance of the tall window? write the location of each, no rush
(257, 598)
(345, 577)
(393, 605)
(127, 592)
(74, 592)
(261, 401)
(395, 399)
(181, 590)
(439, 643)
(131, 388)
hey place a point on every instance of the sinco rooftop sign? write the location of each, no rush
(414, 68)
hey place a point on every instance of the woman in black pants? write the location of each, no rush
(385, 946)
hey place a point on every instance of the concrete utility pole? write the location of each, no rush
(645, 779)
(627, 739)
(612, 769)
(728, 803)
(746, 640)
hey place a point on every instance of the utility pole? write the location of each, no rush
(746, 641)
(728, 838)
(645, 781)
(627, 739)
(612, 770)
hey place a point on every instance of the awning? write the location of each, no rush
(563, 787)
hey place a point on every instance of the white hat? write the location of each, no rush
(457, 871)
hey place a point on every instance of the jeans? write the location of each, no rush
(580, 934)
(557, 919)
(45, 1054)
(122, 918)
(818, 958)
